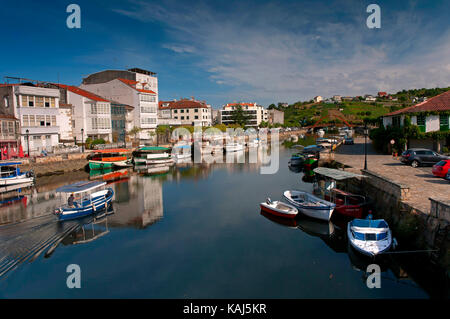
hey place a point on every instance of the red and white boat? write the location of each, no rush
(279, 209)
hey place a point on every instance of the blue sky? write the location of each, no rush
(225, 51)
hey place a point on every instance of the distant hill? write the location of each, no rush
(355, 112)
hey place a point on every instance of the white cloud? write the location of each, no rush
(278, 52)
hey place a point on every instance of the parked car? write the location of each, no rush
(447, 177)
(349, 141)
(441, 168)
(421, 156)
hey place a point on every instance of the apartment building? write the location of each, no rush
(255, 113)
(91, 117)
(134, 87)
(9, 136)
(37, 109)
(186, 112)
(121, 120)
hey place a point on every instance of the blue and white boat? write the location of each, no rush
(10, 174)
(88, 197)
(310, 205)
(369, 237)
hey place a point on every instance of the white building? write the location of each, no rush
(91, 113)
(134, 87)
(37, 109)
(185, 112)
(318, 99)
(256, 113)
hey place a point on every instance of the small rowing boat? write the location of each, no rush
(369, 237)
(309, 204)
(279, 209)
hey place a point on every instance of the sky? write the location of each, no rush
(234, 51)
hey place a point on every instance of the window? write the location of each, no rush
(182, 117)
(25, 120)
(11, 127)
(53, 120)
(148, 109)
(48, 120)
(421, 122)
(396, 121)
(47, 102)
(196, 110)
(182, 111)
(187, 117)
(39, 101)
(40, 119)
(175, 111)
(443, 122)
(31, 101)
(6, 101)
(52, 102)
(148, 120)
(147, 98)
(24, 100)
(196, 117)
(32, 120)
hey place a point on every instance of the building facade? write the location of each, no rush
(91, 117)
(185, 112)
(37, 109)
(255, 113)
(275, 116)
(431, 115)
(9, 137)
(134, 87)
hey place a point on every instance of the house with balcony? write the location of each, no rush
(91, 114)
(135, 87)
(9, 136)
(254, 112)
(37, 109)
(431, 115)
(185, 112)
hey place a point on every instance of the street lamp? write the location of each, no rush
(28, 141)
(366, 132)
(82, 140)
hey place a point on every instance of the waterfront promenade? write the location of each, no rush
(421, 182)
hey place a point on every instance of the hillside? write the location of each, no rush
(354, 112)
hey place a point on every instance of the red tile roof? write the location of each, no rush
(243, 104)
(82, 92)
(182, 104)
(437, 103)
(132, 84)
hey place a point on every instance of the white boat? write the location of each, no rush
(309, 204)
(234, 147)
(10, 174)
(152, 155)
(217, 149)
(181, 152)
(279, 209)
(369, 237)
(253, 144)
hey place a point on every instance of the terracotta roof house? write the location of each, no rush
(184, 112)
(431, 115)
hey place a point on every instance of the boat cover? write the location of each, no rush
(80, 187)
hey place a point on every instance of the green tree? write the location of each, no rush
(134, 131)
(239, 117)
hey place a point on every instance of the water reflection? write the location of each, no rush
(174, 220)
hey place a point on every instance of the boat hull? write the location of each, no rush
(370, 249)
(98, 204)
(319, 212)
(21, 179)
(276, 212)
(94, 165)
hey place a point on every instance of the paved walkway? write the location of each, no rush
(421, 181)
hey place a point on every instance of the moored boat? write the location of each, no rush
(369, 237)
(152, 155)
(103, 159)
(86, 197)
(309, 204)
(10, 174)
(181, 151)
(234, 147)
(279, 209)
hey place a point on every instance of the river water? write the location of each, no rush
(195, 231)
